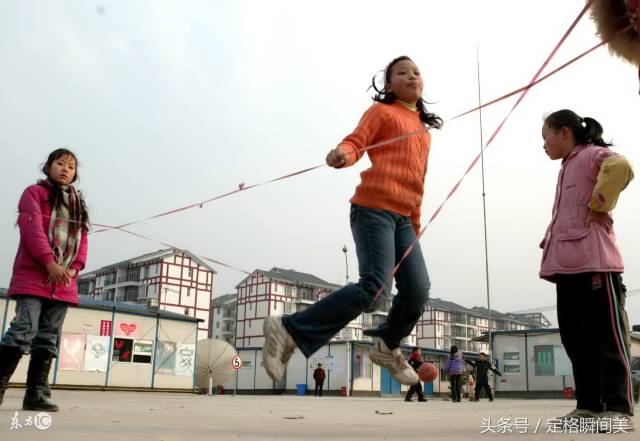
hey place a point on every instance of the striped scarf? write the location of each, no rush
(65, 226)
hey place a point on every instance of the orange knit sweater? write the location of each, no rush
(395, 180)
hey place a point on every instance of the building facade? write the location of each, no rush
(224, 318)
(280, 292)
(168, 280)
(444, 324)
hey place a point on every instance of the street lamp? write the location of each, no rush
(348, 342)
(346, 262)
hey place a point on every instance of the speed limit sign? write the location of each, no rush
(236, 362)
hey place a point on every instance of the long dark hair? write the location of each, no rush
(585, 130)
(454, 349)
(387, 96)
(55, 198)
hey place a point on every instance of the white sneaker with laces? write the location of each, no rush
(278, 347)
(394, 361)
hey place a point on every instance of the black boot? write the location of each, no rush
(37, 375)
(9, 358)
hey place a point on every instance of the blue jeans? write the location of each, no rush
(381, 239)
(36, 325)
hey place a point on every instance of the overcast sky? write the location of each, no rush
(169, 103)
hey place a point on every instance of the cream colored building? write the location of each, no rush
(112, 345)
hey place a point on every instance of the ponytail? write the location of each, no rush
(585, 130)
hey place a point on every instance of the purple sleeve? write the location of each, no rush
(32, 233)
(81, 259)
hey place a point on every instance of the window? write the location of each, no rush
(188, 292)
(131, 294)
(217, 325)
(133, 274)
(110, 279)
(545, 364)
(190, 272)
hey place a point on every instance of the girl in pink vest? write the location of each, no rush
(581, 257)
(53, 225)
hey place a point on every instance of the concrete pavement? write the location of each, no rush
(141, 416)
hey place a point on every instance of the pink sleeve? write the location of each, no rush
(81, 259)
(30, 222)
(596, 162)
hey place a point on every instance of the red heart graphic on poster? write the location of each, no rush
(128, 328)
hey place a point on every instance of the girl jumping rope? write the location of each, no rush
(385, 218)
(53, 225)
(582, 258)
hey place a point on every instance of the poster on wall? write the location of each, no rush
(511, 360)
(122, 349)
(105, 327)
(185, 359)
(165, 357)
(71, 352)
(96, 354)
(142, 351)
(127, 329)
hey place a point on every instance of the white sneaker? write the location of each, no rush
(613, 422)
(278, 347)
(394, 361)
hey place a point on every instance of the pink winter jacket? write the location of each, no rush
(34, 252)
(570, 245)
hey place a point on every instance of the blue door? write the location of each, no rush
(388, 384)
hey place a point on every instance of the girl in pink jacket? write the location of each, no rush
(581, 257)
(53, 223)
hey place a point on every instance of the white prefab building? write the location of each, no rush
(113, 345)
(347, 366)
(169, 280)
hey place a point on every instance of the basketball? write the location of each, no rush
(427, 372)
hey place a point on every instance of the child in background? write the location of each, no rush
(454, 369)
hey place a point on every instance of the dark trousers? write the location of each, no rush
(318, 391)
(36, 325)
(483, 385)
(417, 388)
(382, 238)
(455, 387)
(595, 332)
